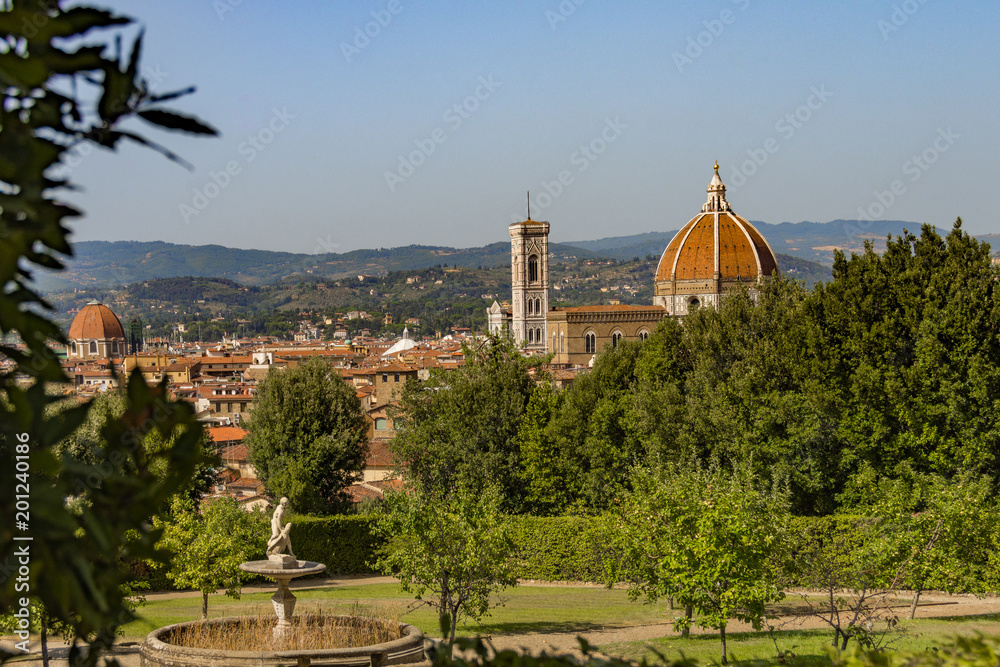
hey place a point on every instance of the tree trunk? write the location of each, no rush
(722, 636)
(913, 607)
(204, 605)
(688, 612)
(44, 640)
(670, 602)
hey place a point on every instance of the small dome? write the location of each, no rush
(96, 321)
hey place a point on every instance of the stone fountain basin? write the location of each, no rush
(157, 651)
(268, 568)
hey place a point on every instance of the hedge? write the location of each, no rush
(561, 548)
(346, 544)
(550, 548)
(566, 548)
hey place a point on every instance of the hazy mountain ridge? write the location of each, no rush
(814, 241)
(108, 264)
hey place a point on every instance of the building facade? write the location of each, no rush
(577, 334)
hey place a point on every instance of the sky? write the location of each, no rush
(351, 125)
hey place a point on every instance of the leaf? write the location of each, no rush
(175, 121)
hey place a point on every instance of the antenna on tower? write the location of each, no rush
(529, 204)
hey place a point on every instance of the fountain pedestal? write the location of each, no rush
(283, 569)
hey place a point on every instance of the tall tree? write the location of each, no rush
(59, 91)
(593, 431)
(461, 427)
(307, 436)
(915, 357)
(548, 473)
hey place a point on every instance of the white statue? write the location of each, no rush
(280, 534)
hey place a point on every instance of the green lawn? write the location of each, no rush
(809, 646)
(528, 609)
(562, 610)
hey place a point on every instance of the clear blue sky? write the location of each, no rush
(833, 99)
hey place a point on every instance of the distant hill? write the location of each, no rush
(106, 265)
(109, 264)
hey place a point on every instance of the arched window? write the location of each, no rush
(72, 347)
(693, 303)
(93, 347)
(591, 342)
(643, 335)
(615, 337)
(562, 341)
(533, 269)
(531, 306)
(381, 424)
(531, 335)
(538, 306)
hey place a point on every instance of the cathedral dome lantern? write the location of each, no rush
(714, 252)
(96, 333)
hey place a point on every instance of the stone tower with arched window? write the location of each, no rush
(529, 278)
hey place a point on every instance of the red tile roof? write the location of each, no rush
(235, 453)
(226, 433)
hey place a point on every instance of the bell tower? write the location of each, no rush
(529, 279)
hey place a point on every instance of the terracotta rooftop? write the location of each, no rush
(226, 433)
(235, 453)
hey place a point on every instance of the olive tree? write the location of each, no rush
(207, 544)
(711, 539)
(453, 551)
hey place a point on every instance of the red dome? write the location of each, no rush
(717, 242)
(96, 321)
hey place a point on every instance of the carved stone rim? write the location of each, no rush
(412, 639)
(266, 568)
